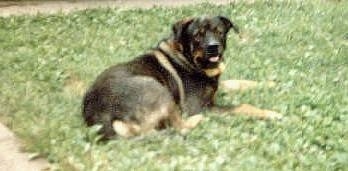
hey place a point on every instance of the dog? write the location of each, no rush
(179, 76)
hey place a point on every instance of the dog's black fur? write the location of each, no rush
(152, 91)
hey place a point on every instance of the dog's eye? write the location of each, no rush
(198, 33)
(220, 32)
(197, 38)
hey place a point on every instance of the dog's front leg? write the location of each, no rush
(247, 110)
(239, 85)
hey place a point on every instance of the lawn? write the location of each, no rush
(47, 61)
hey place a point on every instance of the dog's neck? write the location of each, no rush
(175, 51)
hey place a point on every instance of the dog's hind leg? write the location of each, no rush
(191, 122)
(126, 129)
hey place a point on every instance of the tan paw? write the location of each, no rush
(194, 120)
(239, 85)
(125, 129)
(191, 123)
(272, 115)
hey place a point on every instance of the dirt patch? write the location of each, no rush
(74, 86)
(12, 158)
(8, 8)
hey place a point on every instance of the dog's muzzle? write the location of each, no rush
(212, 52)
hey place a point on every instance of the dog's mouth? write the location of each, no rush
(212, 53)
(214, 59)
(211, 61)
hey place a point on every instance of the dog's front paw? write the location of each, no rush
(239, 85)
(272, 115)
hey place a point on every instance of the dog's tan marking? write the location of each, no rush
(169, 67)
(191, 123)
(246, 109)
(249, 110)
(153, 118)
(126, 129)
(215, 71)
(177, 56)
(196, 55)
(184, 126)
(238, 85)
(129, 129)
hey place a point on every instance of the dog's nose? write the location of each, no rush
(212, 50)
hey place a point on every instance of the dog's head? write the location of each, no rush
(203, 39)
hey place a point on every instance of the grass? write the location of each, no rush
(46, 61)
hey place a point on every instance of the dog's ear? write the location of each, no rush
(229, 24)
(180, 27)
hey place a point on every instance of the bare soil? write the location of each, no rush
(8, 8)
(11, 156)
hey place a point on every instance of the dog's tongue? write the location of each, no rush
(214, 59)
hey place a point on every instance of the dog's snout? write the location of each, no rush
(212, 43)
(213, 46)
(212, 50)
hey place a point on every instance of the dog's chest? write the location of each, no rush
(199, 94)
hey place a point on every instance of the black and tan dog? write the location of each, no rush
(180, 76)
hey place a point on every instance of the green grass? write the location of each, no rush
(302, 45)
